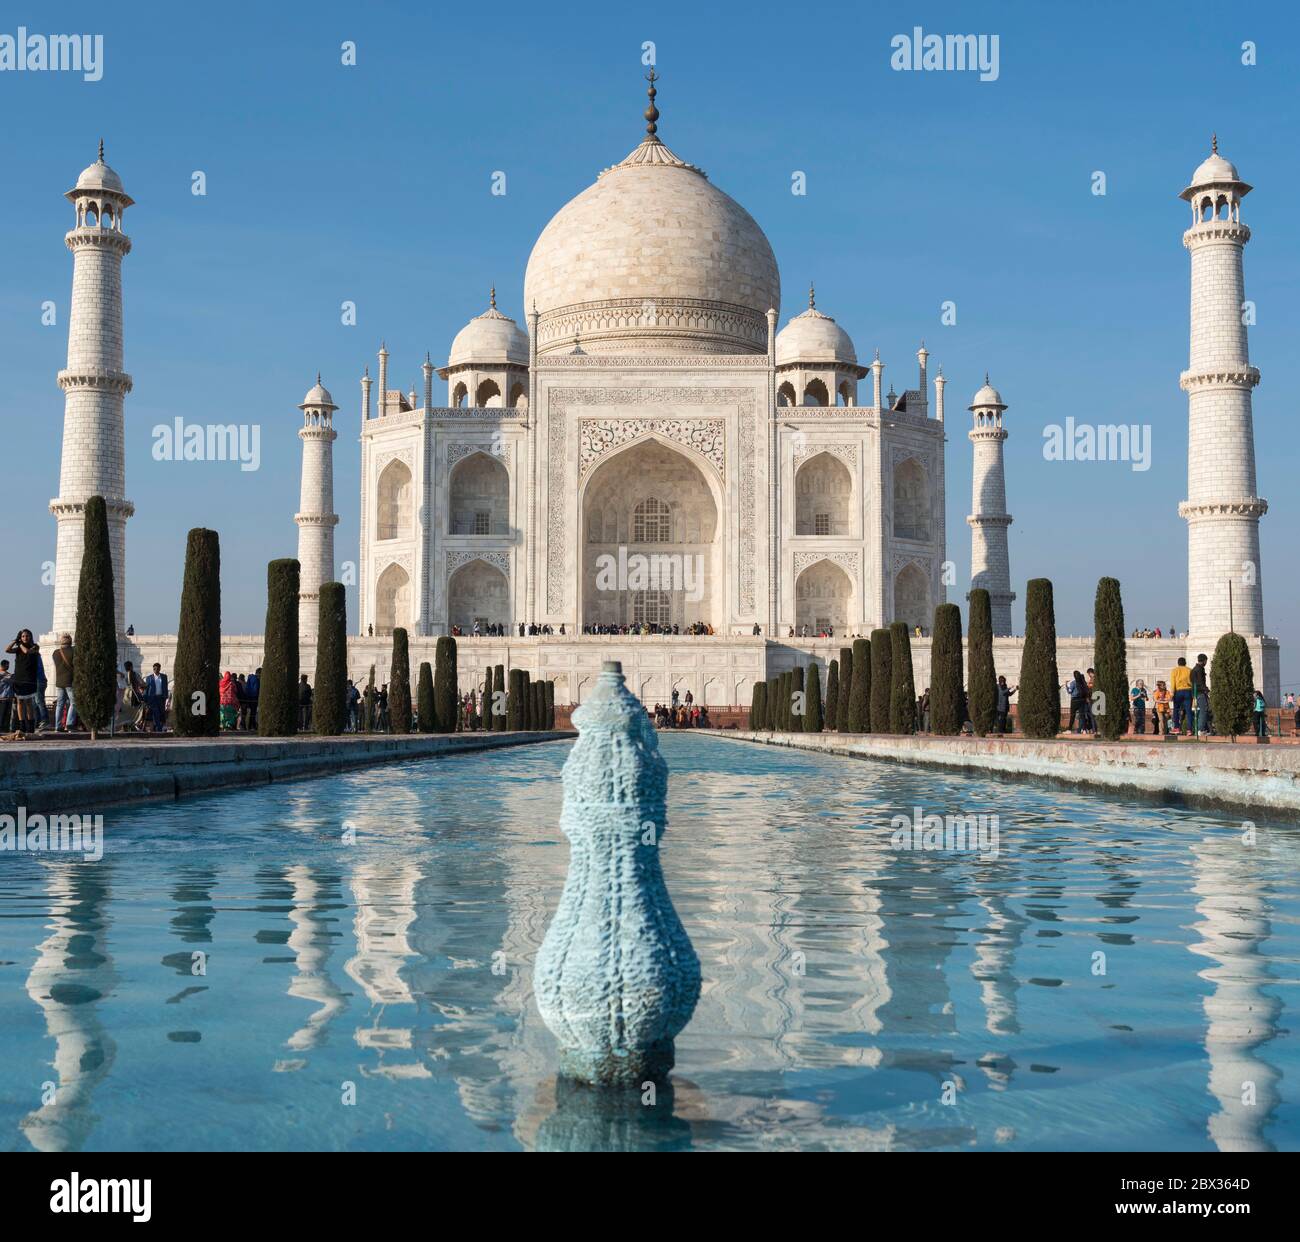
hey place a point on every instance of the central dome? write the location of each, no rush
(652, 258)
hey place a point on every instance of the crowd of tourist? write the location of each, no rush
(682, 713)
(1171, 632)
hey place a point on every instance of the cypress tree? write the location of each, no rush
(882, 673)
(426, 715)
(399, 684)
(550, 703)
(832, 693)
(846, 689)
(757, 704)
(812, 712)
(277, 701)
(1232, 686)
(198, 639)
(94, 665)
(1040, 686)
(500, 704)
(798, 699)
(983, 688)
(1110, 657)
(946, 672)
(855, 714)
(787, 701)
(329, 714)
(540, 691)
(515, 700)
(444, 685)
(902, 697)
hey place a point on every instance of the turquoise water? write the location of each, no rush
(376, 994)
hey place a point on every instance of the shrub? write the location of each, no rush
(798, 699)
(773, 704)
(812, 711)
(399, 684)
(330, 701)
(1232, 686)
(1040, 686)
(757, 705)
(94, 665)
(198, 639)
(445, 694)
(858, 719)
(832, 693)
(515, 701)
(426, 716)
(499, 707)
(946, 706)
(277, 700)
(983, 675)
(1110, 658)
(846, 689)
(902, 695)
(882, 673)
(550, 703)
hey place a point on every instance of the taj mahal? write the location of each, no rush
(649, 400)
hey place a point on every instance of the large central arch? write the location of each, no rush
(651, 520)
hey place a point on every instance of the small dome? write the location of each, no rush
(814, 337)
(318, 395)
(99, 178)
(988, 395)
(1215, 171)
(490, 338)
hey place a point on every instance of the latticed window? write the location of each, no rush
(482, 522)
(651, 522)
(822, 524)
(651, 607)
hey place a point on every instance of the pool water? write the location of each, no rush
(345, 963)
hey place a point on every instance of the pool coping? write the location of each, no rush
(1226, 777)
(62, 775)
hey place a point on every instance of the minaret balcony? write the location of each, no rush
(91, 235)
(1215, 231)
(94, 379)
(1219, 377)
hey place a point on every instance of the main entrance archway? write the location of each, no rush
(651, 541)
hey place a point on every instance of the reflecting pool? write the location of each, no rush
(345, 963)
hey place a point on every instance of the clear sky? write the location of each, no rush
(372, 184)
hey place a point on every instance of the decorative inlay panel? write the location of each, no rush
(597, 436)
(845, 451)
(903, 559)
(847, 561)
(499, 560)
(503, 452)
(382, 459)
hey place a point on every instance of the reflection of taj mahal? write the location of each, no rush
(652, 406)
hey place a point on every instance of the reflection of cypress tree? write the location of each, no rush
(882, 676)
(832, 693)
(329, 715)
(798, 703)
(859, 717)
(426, 717)
(946, 672)
(983, 690)
(277, 700)
(1040, 696)
(1232, 686)
(499, 707)
(812, 717)
(1110, 655)
(198, 638)
(399, 685)
(902, 698)
(846, 689)
(444, 685)
(757, 704)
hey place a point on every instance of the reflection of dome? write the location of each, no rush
(318, 395)
(653, 256)
(489, 338)
(814, 337)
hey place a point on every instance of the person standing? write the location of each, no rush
(1138, 696)
(1160, 716)
(1077, 689)
(155, 697)
(1180, 686)
(253, 688)
(304, 704)
(228, 698)
(133, 696)
(1003, 704)
(1201, 694)
(27, 675)
(1261, 715)
(6, 695)
(65, 707)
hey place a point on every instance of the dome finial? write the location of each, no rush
(652, 113)
(986, 377)
(318, 377)
(492, 298)
(1214, 144)
(101, 150)
(812, 296)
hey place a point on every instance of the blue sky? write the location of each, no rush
(372, 184)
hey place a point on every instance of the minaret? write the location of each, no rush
(1224, 581)
(95, 388)
(316, 517)
(990, 563)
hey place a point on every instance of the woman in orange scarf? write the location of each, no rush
(229, 698)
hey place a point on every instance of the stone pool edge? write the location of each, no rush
(66, 777)
(1216, 777)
